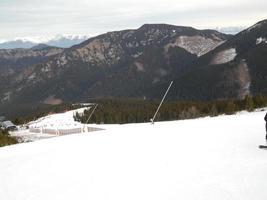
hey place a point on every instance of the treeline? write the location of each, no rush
(120, 111)
(6, 139)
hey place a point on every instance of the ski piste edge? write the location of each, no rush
(263, 147)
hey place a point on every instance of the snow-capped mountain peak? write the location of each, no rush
(63, 41)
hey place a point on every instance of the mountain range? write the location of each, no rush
(140, 63)
(61, 41)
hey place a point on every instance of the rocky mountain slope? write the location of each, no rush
(204, 64)
(13, 60)
(234, 69)
(121, 64)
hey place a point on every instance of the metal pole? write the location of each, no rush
(91, 113)
(89, 117)
(152, 120)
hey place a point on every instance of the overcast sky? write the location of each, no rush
(27, 18)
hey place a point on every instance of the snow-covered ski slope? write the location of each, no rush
(204, 159)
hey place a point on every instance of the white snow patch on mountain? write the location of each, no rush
(209, 158)
(261, 40)
(197, 45)
(224, 56)
(137, 54)
(243, 76)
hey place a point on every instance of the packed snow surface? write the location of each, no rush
(208, 158)
(60, 120)
(52, 125)
(224, 56)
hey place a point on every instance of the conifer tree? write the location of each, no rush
(249, 103)
(231, 108)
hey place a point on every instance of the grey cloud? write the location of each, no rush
(36, 17)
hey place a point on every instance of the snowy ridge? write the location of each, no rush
(206, 159)
(43, 39)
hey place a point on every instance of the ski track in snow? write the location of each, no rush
(207, 158)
